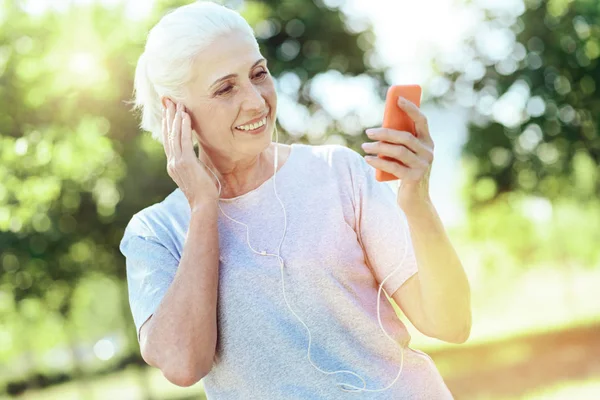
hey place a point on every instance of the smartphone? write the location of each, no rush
(395, 118)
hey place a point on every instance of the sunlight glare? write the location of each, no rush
(82, 63)
(104, 349)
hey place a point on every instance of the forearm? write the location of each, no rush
(445, 291)
(183, 334)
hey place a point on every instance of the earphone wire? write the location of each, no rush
(281, 264)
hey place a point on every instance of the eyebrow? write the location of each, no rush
(235, 75)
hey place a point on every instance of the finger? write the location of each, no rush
(176, 132)
(187, 145)
(395, 151)
(392, 167)
(170, 140)
(400, 137)
(170, 115)
(165, 133)
(421, 124)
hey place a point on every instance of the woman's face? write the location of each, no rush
(218, 105)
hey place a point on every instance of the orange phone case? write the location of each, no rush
(395, 118)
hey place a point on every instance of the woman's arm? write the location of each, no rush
(437, 300)
(180, 338)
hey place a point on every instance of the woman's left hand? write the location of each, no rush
(415, 152)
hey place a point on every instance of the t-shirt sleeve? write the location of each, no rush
(151, 268)
(381, 227)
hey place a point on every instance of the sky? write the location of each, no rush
(408, 34)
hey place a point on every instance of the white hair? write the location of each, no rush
(165, 66)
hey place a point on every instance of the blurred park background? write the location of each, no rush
(512, 94)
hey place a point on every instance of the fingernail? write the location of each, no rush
(401, 100)
(370, 132)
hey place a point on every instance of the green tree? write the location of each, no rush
(534, 124)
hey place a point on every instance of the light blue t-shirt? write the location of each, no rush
(345, 234)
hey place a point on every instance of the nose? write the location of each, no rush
(253, 100)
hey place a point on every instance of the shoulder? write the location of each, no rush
(338, 157)
(158, 219)
(328, 150)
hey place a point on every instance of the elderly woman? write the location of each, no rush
(261, 273)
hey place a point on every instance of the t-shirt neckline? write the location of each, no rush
(253, 192)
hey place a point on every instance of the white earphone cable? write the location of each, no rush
(281, 264)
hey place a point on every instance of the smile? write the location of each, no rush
(252, 127)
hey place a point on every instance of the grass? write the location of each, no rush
(573, 390)
(128, 384)
(580, 390)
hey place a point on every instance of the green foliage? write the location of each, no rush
(519, 231)
(549, 84)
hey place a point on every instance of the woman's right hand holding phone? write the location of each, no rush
(183, 166)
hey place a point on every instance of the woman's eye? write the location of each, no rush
(261, 74)
(227, 89)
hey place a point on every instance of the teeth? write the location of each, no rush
(252, 126)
